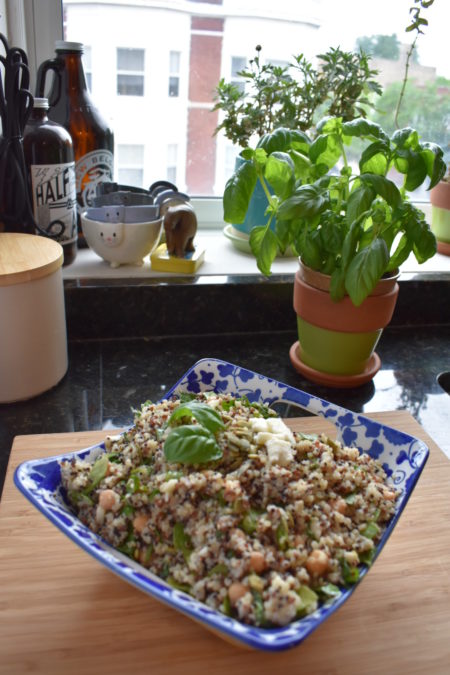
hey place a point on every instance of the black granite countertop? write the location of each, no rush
(130, 341)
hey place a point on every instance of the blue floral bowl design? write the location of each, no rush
(403, 458)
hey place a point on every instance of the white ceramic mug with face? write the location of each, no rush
(122, 243)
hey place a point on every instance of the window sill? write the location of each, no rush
(221, 259)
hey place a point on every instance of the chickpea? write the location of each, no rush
(139, 522)
(340, 505)
(236, 591)
(389, 495)
(317, 563)
(107, 499)
(257, 562)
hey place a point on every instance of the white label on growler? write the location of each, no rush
(93, 168)
(55, 200)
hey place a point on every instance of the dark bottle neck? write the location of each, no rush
(39, 115)
(73, 74)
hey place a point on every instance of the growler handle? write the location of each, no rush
(51, 64)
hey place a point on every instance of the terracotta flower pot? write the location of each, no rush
(336, 339)
(440, 215)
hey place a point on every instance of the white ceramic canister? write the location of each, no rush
(33, 337)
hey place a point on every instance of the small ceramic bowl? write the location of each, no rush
(121, 243)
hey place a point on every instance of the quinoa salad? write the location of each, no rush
(218, 496)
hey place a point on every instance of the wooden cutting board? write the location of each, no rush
(61, 612)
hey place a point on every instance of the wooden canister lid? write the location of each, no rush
(26, 257)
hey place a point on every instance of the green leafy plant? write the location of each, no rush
(353, 224)
(291, 96)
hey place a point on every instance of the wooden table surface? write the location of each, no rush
(61, 612)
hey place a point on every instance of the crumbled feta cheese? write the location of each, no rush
(277, 438)
(168, 486)
(279, 451)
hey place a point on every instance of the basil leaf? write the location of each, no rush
(191, 444)
(279, 172)
(360, 200)
(238, 191)
(263, 243)
(365, 270)
(203, 413)
(307, 201)
(383, 187)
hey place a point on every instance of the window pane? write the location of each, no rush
(172, 152)
(238, 63)
(174, 66)
(130, 85)
(87, 57)
(130, 154)
(174, 86)
(131, 177)
(130, 59)
(172, 174)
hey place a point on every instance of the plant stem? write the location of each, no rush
(405, 80)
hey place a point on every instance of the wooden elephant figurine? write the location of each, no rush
(180, 226)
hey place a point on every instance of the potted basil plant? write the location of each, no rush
(351, 227)
(291, 96)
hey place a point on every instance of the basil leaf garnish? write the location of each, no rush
(191, 444)
(203, 413)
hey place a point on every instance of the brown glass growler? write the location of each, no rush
(50, 163)
(72, 106)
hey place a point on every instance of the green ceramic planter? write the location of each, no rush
(335, 352)
(336, 340)
(440, 215)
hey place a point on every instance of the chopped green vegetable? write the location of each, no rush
(281, 535)
(176, 584)
(249, 522)
(97, 473)
(308, 600)
(349, 574)
(185, 397)
(371, 530)
(220, 568)
(182, 541)
(128, 510)
(367, 557)
(258, 607)
(79, 498)
(329, 590)
(351, 498)
(226, 606)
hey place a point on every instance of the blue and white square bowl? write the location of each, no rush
(403, 458)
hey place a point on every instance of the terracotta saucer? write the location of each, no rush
(329, 380)
(443, 247)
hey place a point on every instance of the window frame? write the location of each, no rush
(130, 73)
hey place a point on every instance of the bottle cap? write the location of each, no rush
(41, 103)
(64, 46)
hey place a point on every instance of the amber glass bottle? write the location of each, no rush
(71, 105)
(50, 162)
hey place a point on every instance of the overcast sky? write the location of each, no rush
(384, 17)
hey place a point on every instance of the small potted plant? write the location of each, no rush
(291, 97)
(440, 214)
(351, 227)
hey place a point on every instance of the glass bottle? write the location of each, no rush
(72, 106)
(50, 161)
